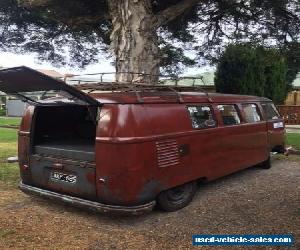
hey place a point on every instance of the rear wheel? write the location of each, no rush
(266, 164)
(178, 197)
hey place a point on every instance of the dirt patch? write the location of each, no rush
(252, 201)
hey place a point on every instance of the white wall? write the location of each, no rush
(15, 107)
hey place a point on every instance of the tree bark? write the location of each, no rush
(134, 41)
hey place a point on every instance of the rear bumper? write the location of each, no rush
(86, 204)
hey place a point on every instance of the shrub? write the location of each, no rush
(2, 112)
(250, 70)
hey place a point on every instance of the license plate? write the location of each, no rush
(68, 178)
(278, 125)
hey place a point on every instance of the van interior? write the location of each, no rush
(65, 131)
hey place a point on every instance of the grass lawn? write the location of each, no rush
(8, 135)
(10, 121)
(293, 140)
(9, 173)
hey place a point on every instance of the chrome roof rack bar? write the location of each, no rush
(138, 87)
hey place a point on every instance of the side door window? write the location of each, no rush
(229, 114)
(202, 116)
(270, 111)
(251, 112)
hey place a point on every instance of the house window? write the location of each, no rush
(251, 113)
(229, 115)
(270, 111)
(202, 117)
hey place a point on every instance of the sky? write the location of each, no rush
(13, 60)
(8, 60)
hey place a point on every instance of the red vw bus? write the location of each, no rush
(129, 149)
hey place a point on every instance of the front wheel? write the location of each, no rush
(178, 197)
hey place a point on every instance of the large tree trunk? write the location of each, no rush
(134, 41)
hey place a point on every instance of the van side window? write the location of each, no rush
(251, 113)
(229, 115)
(202, 116)
(270, 110)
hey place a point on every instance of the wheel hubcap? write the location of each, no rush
(177, 194)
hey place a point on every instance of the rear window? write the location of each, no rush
(50, 96)
(270, 111)
(229, 114)
(202, 116)
(251, 113)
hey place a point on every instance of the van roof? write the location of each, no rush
(172, 97)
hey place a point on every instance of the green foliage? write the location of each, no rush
(276, 86)
(2, 112)
(173, 60)
(252, 70)
(291, 52)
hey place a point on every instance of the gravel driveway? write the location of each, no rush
(252, 201)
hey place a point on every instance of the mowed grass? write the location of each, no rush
(8, 135)
(10, 121)
(9, 173)
(293, 140)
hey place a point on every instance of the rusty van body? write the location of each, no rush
(127, 151)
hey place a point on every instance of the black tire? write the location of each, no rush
(178, 197)
(266, 164)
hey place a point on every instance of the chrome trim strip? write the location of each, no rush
(24, 133)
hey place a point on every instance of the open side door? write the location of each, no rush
(26, 83)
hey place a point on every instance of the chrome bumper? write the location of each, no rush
(86, 204)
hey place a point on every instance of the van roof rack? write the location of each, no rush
(139, 88)
(166, 83)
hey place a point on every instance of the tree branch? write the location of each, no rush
(86, 20)
(169, 14)
(34, 3)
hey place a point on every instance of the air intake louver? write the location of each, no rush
(167, 153)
